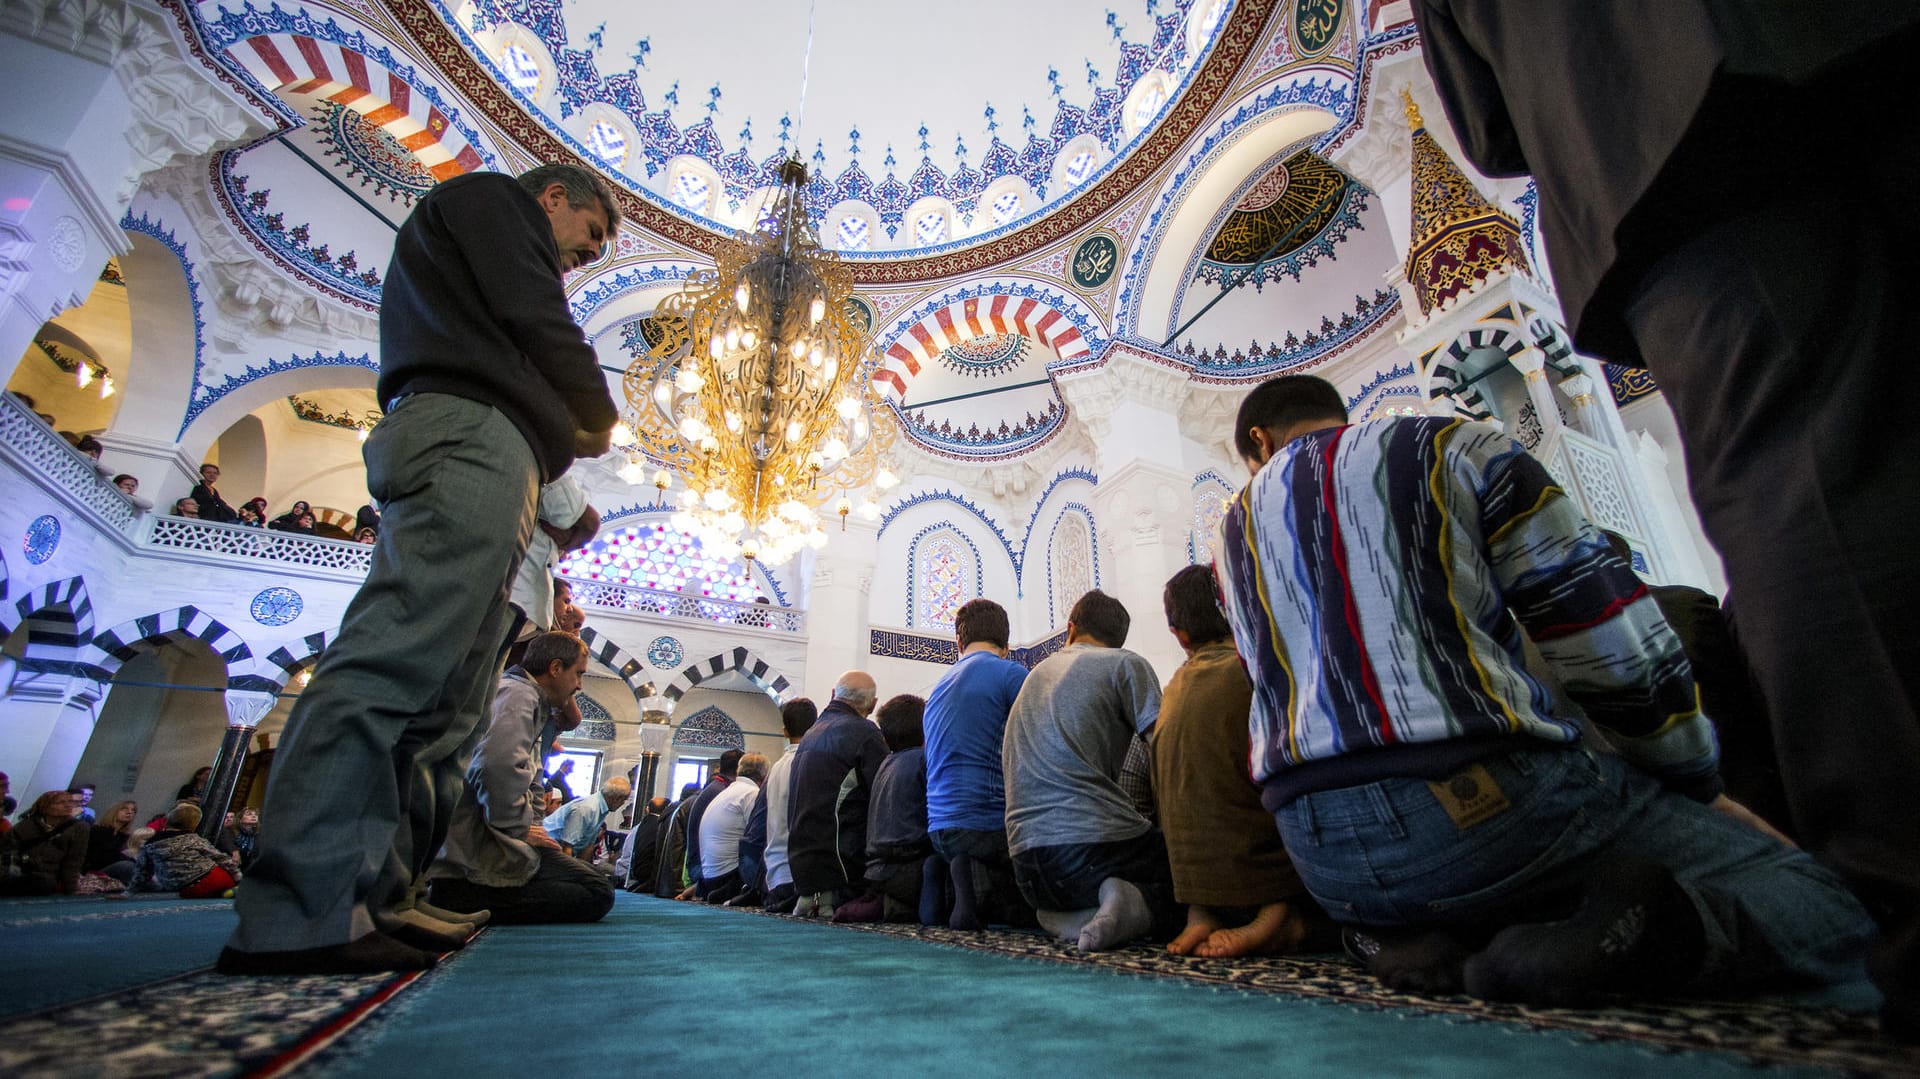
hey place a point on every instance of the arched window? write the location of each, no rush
(930, 227)
(1005, 207)
(607, 143)
(690, 189)
(522, 70)
(944, 574)
(1072, 563)
(657, 557)
(1209, 506)
(854, 233)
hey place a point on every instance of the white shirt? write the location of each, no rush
(722, 826)
(561, 504)
(779, 870)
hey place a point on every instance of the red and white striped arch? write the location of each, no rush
(296, 64)
(918, 344)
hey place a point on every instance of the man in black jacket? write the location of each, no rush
(490, 390)
(832, 780)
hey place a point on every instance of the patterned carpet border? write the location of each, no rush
(198, 1024)
(1761, 1031)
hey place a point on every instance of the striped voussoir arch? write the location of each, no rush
(737, 659)
(271, 675)
(1448, 365)
(58, 618)
(111, 649)
(616, 659)
(1551, 339)
(918, 345)
(297, 64)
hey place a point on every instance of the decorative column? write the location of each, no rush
(838, 637)
(244, 711)
(656, 734)
(45, 722)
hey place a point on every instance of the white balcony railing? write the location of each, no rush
(40, 448)
(626, 597)
(245, 541)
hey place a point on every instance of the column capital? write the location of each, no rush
(246, 708)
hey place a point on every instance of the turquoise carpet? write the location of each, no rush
(663, 988)
(59, 950)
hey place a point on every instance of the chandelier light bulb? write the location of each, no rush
(749, 340)
(692, 428)
(733, 338)
(799, 347)
(709, 444)
(834, 449)
(741, 297)
(793, 430)
(717, 347)
(733, 422)
(847, 407)
(869, 509)
(860, 428)
(718, 500)
(885, 479)
(622, 434)
(818, 310)
(819, 539)
(689, 380)
(84, 376)
(833, 369)
(816, 356)
(633, 472)
(106, 386)
(663, 479)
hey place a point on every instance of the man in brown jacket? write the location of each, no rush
(1242, 895)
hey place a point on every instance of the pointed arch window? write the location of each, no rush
(931, 227)
(1072, 563)
(691, 190)
(854, 232)
(607, 143)
(522, 70)
(1209, 506)
(1079, 167)
(943, 573)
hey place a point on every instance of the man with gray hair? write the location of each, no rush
(490, 390)
(721, 828)
(576, 825)
(832, 779)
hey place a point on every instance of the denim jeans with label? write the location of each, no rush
(1389, 854)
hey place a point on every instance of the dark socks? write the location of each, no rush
(933, 890)
(372, 954)
(1634, 930)
(964, 915)
(1429, 962)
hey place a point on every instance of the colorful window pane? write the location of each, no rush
(523, 74)
(931, 228)
(607, 143)
(855, 233)
(690, 189)
(655, 556)
(1150, 103)
(946, 581)
(1079, 166)
(1209, 505)
(1072, 563)
(1004, 207)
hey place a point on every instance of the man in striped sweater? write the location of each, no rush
(1433, 792)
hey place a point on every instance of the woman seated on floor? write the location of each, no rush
(178, 859)
(43, 853)
(107, 843)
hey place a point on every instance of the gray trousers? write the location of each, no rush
(401, 690)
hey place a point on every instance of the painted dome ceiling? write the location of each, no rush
(920, 133)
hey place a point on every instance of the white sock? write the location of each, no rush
(1123, 915)
(1066, 924)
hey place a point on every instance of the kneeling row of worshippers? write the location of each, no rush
(1424, 701)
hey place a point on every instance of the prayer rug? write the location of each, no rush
(1789, 1031)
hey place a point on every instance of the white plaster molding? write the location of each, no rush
(100, 220)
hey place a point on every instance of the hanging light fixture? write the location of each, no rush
(759, 391)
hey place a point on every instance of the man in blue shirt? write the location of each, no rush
(966, 720)
(577, 824)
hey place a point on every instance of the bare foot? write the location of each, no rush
(1200, 925)
(1277, 930)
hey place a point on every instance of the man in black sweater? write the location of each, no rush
(490, 390)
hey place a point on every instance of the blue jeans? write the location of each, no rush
(1389, 854)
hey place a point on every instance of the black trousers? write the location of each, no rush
(563, 889)
(1784, 339)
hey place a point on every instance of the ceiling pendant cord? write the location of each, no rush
(806, 63)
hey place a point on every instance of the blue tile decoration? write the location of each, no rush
(665, 653)
(42, 539)
(710, 727)
(276, 606)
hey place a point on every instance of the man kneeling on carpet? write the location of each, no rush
(1242, 895)
(1380, 578)
(497, 856)
(1093, 866)
(179, 859)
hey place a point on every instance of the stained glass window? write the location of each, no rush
(522, 72)
(655, 556)
(931, 227)
(1004, 207)
(1072, 563)
(1079, 166)
(855, 233)
(607, 143)
(690, 189)
(1150, 103)
(1209, 505)
(946, 581)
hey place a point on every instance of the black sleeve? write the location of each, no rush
(1469, 91)
(509, 245)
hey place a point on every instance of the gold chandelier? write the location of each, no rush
(757, 390)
